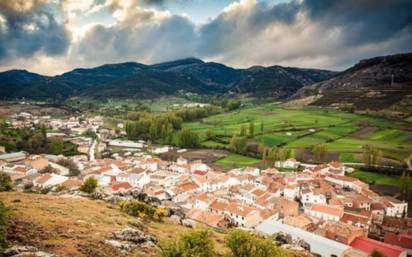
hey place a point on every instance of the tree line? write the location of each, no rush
(34, 141)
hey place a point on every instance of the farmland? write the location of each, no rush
(343, 133)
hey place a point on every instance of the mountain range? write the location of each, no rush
(136, 80)
(372, 83)
(375, 83)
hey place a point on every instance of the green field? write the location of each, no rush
(305, 127)
(375, 178)
(236, 160)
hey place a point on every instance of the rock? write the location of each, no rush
(129, 238)
(18, 249)
(178, 211)
(175, 219)
(26, 251)
(188, 223)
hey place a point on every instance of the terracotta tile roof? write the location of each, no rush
(239, 209)
(218, 205)
(327, 209)
(43, 179)
(121, 185)
(72, 183)
(354, 219)
(205, 217)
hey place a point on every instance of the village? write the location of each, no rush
(334, 214)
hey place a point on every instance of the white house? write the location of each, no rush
(242, 215)
(198, 165)
(310, 196)
(49, 180)
(394, 207)
(291, 191)
(290, 163)
(325, 212)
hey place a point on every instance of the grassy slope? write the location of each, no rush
(236, 160)
(370, 178)
(76, 227)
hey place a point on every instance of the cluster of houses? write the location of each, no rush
(319, 201)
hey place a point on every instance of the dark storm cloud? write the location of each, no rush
(27, 27)
(362, 21)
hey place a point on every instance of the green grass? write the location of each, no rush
(375, 178)
(236, 160)
(290, 127)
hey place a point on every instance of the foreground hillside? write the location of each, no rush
(70, 226)
(377, 83)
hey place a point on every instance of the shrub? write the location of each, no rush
(3, 224)
(196, 243)
(89, 186)
(5, 182)
(73, 169)
(137, 209)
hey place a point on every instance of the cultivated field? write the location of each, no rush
(343, 133)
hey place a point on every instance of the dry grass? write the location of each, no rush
(70, 226)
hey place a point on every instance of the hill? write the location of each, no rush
(127, 80)
(377, 83)
(78, 227)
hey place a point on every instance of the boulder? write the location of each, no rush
(26, 251)
(175, 219)
(129, 238)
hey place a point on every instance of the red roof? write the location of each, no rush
(402, 240)
(122, 185)
(369, 245)
(200, 172)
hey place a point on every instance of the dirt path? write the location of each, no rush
(363, 132)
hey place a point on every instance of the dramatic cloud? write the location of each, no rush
(28, 27)
(330, 34)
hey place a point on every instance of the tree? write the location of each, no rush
(5, 182)
(320, 152)
(243, 130)
(240, 244)
(3, 224)
(73, 169)
(196, 243)
(404, 185)
(245, 244)
(261, 127)
(55, 146)
(233, 104)
(371, 155)
(89, 186)
(238, 143)
(251, 129)
(188, 139)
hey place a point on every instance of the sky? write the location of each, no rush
(54, 36)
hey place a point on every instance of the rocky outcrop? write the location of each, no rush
(25, 251)
(129, 239)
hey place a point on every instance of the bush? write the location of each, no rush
(245, 244)
(89, 186)
(3, 224)
(73, 169)
(196, 243)
(138, 209)
(5, 182)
